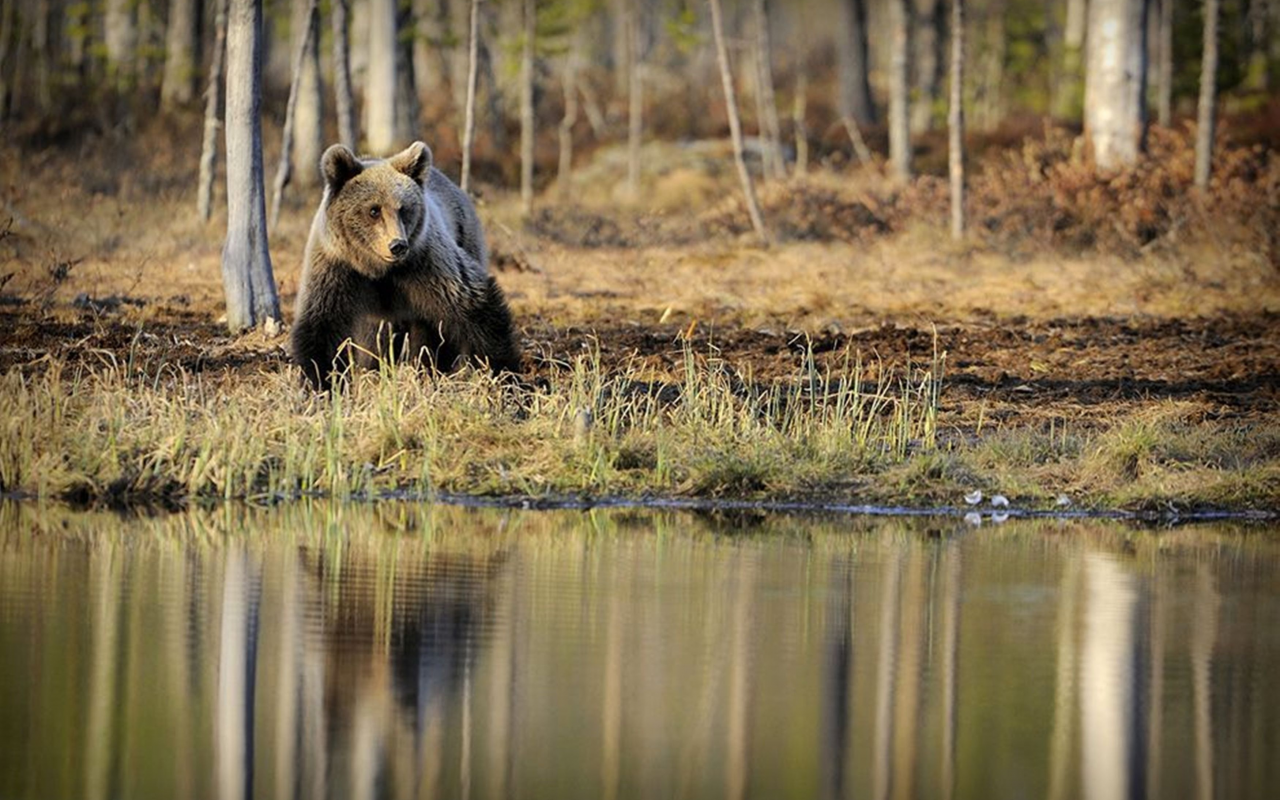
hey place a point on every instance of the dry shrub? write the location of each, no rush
(802, 210)
(1046, 194)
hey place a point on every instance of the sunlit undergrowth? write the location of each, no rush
(114, 434)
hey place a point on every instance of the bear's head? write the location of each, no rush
(376, 208)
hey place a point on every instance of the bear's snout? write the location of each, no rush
(398, 247)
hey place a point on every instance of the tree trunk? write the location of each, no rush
(989, 108)
(7, 14)
(1164, 66)
(854, 64)
(469, 124)
(928, 44)
(246, 265)
(212, 111)
(635, 98)
(1116, 81)
(798, 113)
(1068, 98)
(570, 86)
(900, 90)
(955, 120)
(735, 127)
(342, 76)
(77, 36)
(408, 110)
(307, 28)
(380, 82)
(1206, 116)
(770, 129)
(181, 54)
(308, 96)
(42, 49)
(526, 105)
(120, 36)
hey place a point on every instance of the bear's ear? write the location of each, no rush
(339, 165)
(414, 161)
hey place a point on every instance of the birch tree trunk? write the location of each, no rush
(246, 265)
(342, 75)
(635, 97)
(181, 54)
(928, 45)
(770, 128)
(526, 105)
(308, 99)
(1206, 117)
(570, 117)
(1116, 81)
(212, 112)
(120, 36)
(1068, 98)
(854, 64)
(380, 82)
(469, 123)
(900, 90)
(306, 28)
(7, 14)
(735, 126)
(955, 120)
(1164, 65)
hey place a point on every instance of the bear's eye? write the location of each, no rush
(375, 212)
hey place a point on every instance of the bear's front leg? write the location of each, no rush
(327, 313)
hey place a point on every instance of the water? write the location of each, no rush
(411, 651)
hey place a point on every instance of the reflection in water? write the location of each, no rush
(421, 652)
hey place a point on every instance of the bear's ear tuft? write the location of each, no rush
(414, 161)
(339, 165)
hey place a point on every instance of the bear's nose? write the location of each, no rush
(399, 247)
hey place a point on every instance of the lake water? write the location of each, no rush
(413, 651)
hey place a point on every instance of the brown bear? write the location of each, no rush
(396, 262)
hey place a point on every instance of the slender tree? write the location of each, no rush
(530, 34)
(735, 126)
(955, 120)
(342, 75)
(246, 264)
(570, 117)
(928, 45)
(1116, 81)
(380, 83)
(1164, 64)
(469, 124)
(635, 96)
(7, 14)
(766, 103)
(181, 54)
(1068, 90)
(120, 36)
(1206, 117)
(309, 17)
(308, 110)
(900, 90)
(854, 64)
(798, 113)
(212, 112)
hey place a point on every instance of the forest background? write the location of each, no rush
(1104, 320)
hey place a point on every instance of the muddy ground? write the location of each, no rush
(1084, 371)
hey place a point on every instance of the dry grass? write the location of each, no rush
(116, 432)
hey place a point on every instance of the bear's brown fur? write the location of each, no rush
(396, 261)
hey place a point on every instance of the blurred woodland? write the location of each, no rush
(1085, 123)
(603, 71)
